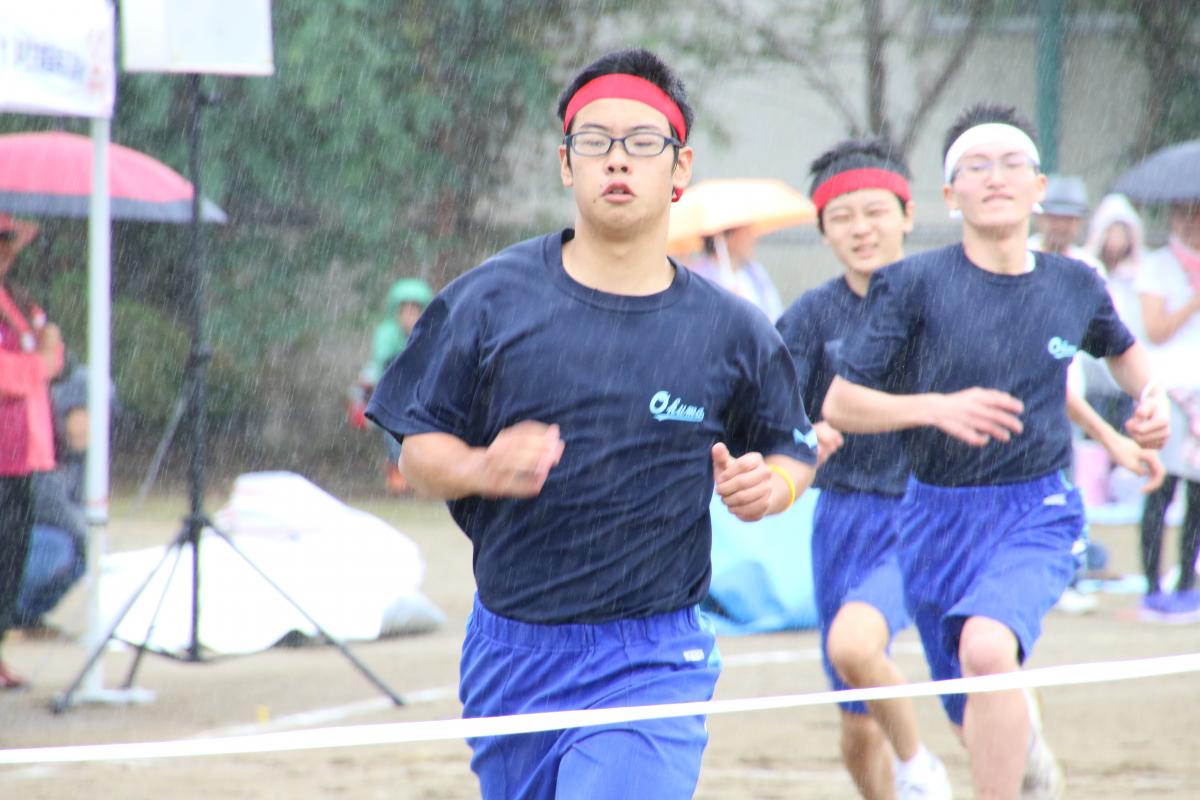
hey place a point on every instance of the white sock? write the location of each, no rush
(920, 763)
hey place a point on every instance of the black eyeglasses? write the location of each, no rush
(643, 144)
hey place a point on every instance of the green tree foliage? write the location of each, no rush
(369, 153)
(811, 35)
(1169, 42)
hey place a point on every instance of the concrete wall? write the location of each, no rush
(775, 125)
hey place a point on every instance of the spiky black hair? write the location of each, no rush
(982, 113)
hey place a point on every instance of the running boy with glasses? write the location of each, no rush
(980, 335)
(567, 402)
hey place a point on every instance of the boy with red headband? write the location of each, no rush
(860, 189)
(564, 400)
(980, 335)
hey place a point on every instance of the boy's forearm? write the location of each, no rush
(442, 466)
(1131, 370)
(801, 474)
(1089, 421)
(853, 408)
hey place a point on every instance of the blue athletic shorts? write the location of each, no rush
(511, 667)
(854, 557)
(1003, 552)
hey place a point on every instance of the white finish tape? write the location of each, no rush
(434, 730)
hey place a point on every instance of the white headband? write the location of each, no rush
(989, 132)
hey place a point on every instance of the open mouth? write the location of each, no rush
(618, 190)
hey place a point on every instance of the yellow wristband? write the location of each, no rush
(791, 484)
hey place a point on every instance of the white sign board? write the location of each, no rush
(213, 37)
(56, 57)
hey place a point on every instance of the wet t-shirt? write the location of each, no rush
(941, 324)
(815, 328)
(641, 388)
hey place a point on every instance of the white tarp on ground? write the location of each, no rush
(352, 572)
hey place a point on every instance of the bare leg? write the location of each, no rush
(867, 756)
(858, 639)
(996, 725)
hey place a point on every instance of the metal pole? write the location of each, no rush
(1049, 79)
(197, 361)
(96, 478)
(89, 685)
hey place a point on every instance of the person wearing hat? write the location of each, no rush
(406, 300)
(1060, 221)
(564, 401)
(31, 355)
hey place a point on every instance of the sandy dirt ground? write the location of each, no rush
(1116, 740)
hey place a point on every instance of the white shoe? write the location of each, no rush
(928, 783)
(1074, 601)
(1043, 778)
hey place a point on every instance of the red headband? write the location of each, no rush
(854, 179)
(627, 87)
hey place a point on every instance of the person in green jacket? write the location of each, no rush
(405, 301)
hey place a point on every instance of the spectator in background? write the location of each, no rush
(1116, 240)
(407, 298)
(1059, 223)
(1169, 287)
(58, 548)
(31, 355)
(1060, 220)
(736, 270)
(405, 301)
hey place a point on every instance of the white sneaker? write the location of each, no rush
(928, 783)
(1043, 778)
(1074, 601)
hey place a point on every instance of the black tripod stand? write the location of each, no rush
(193, 400)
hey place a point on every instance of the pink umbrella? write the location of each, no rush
(50, 174)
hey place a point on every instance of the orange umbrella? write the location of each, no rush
(710, 207)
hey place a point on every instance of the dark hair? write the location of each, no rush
(635, 61)
(877, 153)
(982, 113)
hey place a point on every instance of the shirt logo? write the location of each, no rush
(809, 438)
(1061, 348)
(664, 407)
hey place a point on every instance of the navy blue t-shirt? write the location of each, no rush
(641, 388)
(944, 324)
(814, 328)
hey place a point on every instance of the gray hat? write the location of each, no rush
(1066, 196)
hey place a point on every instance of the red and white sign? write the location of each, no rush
(56, 57)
